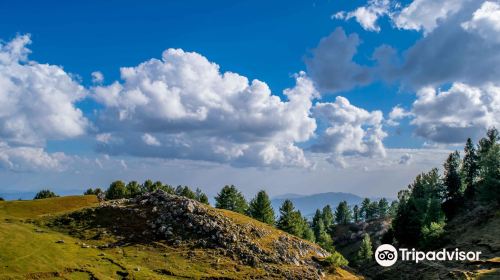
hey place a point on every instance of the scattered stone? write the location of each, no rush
(60, 241)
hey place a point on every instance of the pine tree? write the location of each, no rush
(260, 208)
(133, 189)
(452, 179)
(343, 214)
(365, 252)
(470, 168)
(231, 199)
(327, 215)
(201, 196)
(316, 219)
(292, 221)
(355, 213)
(383, 208)
(322, 237)
(364, 207)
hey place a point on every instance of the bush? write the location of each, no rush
(432, 233)
(45, 194)
(1, 199)
(336, 260)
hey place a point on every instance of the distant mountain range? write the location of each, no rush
(307, 204)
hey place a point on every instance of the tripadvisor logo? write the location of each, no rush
(387, 255)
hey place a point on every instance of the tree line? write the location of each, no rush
(433, 199)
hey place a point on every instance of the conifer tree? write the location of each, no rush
(201, 196)
(383, 208)
(260, 208)
(365, 252)
(327, 216)
(355, 213)
(364, 208)
(452, 180)
(231, 199)
(470, 168)
(133, 189)
(343, 214)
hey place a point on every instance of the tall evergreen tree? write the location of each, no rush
(292, 221)
(327, 215)
(364, 207)
(365, 252)
(452, 180)
(231, 199)
(470, 168)
(343, 214)
(383, 208)
(260, 208)
(355, 213)
(487, 142)
(322, 237)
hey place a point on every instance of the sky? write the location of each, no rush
(287, 96)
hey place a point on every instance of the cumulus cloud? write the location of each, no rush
(350, 131)
(485, 21)
(425, 15)
(405, 158)
(397, 113)
(183, 107)
(331, 65)
(22, 159)
(37, 101)
(461, 48)
(454, 115)
(368, 15)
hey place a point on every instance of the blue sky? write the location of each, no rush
(406, 49)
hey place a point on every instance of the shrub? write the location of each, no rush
(335, 260)
(432, 233)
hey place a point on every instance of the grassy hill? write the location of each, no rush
(75, 238)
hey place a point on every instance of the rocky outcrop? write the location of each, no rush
(179, 221)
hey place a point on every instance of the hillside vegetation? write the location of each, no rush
(76, 238)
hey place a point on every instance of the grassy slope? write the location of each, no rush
(29, 251)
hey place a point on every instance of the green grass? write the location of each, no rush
(29, 250)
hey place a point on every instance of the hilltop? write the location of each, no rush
(154, 236)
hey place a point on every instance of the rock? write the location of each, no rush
(60, 241)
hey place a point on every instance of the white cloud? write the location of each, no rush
(97, 77)
(197, 112)
(37, 101)
(351, 131)
(405, 158)
(150, 140)
(425, 15)
(397, 113)
(22, 159)
(368, 15)
(454, 115)
(485, 21)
